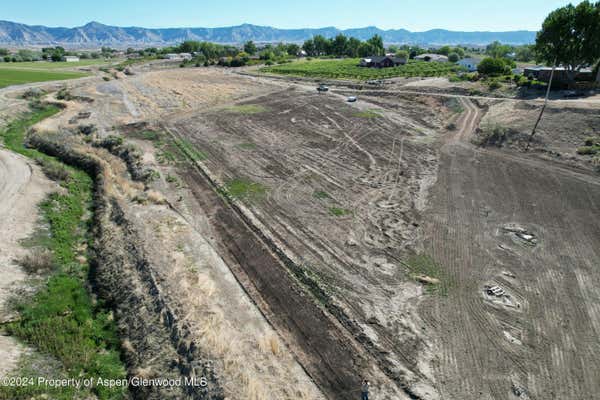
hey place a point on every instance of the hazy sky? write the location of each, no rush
(414, 15)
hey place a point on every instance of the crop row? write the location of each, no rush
(350, 69)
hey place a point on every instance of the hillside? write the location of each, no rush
(96, 34)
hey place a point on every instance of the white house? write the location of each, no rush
(172, 56)
(185, 56)
(431, 57)
(469, 63)
(71, 58)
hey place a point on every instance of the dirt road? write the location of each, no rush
(541, 338)
(22, 187)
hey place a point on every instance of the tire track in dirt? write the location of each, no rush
(516, 190)
(324, 348)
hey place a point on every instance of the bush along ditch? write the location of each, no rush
(62, 319)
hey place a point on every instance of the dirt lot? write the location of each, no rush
(312, 153)
(550, 141)
(343, 190)
(540, 338)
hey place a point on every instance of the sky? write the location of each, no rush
(414, 15)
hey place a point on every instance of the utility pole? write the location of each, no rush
(543, 107)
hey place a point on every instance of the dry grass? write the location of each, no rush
(38, 261)
(269, 343)
(155, 197)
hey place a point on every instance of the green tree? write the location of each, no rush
(250, 47)
(497, 49)
(4, 52)
(293, 49)
(525, 53)
(453, 57)
(352, 47)
(570, 37)
(402, 54)
(493, 66)
(460, 51)
(189, 46)
(376, 43)
(309, 47)
(445, 50)
(392, 49)
(339, 45)
(322, 45)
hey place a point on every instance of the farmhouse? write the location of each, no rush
(382, 61)
(71, 58)
(431, 57)
(469, 63)
(180, 56)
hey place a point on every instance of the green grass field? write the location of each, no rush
(45, 65)
(349, 69)
(19, 76)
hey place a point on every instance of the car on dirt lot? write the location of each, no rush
(352, 99)
(322, 88)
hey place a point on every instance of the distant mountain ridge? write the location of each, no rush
(97, 34)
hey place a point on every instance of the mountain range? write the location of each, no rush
(95, 34)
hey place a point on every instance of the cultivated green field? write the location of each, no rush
(18, 76)
(349, 69)
(45, 65)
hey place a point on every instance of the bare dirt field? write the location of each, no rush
(314, 155)
(539, 339)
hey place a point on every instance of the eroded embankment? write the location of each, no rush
(156, 345)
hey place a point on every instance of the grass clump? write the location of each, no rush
(424, 269)
(367, 114)
(339, 212)
(189, 150)
(60, 319)
(454, 105)
(38, 261)
(321, 194)
(247, 109)
(591, 146)
(588, 150)
(247, 146)
(245, 189)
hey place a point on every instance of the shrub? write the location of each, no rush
(33, 93)
(453, 57)
(493, 85)
(588, 150)
(64, 94)
(87, 129)
(493, 66)
(55, 170)
(111, 142)
(38, 261)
